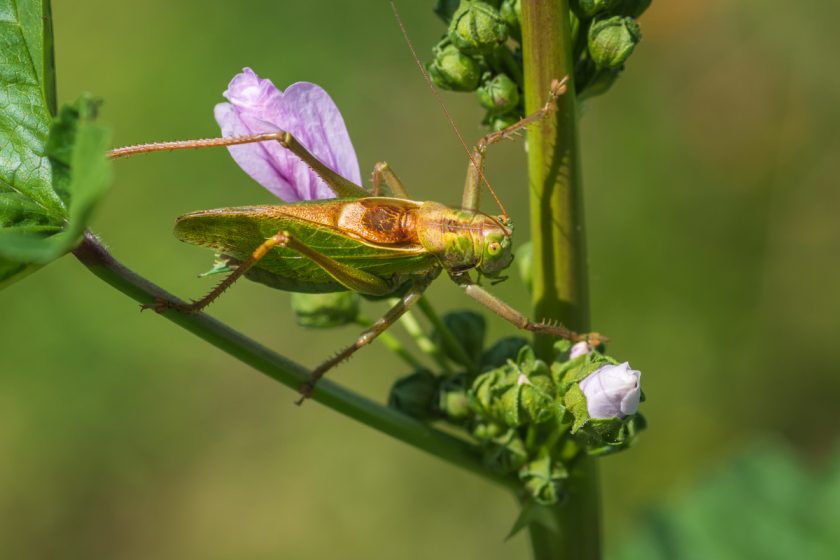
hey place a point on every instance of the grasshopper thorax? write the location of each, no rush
(464, 239)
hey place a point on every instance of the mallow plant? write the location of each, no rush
(531, 415)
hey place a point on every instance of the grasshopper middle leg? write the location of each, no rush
(383, 172)
(405, 303)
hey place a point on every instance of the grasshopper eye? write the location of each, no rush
(494, 247)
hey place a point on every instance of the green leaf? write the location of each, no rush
(468, 328)
(76, 150)
(25, 119)
(50, 178)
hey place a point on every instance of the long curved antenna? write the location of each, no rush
(445, 110)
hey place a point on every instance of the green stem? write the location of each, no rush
(559, 278)
(391, 342)
(413, 328)
(95, 257)
(445, 333)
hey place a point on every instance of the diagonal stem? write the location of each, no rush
(95, 257)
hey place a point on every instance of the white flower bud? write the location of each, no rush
(580, 349)
(612, 391)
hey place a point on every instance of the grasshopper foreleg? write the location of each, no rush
(405, 303)
(519, 320)
(472, 185)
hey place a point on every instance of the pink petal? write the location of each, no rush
(305, 110)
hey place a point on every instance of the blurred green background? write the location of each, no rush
(711, 191)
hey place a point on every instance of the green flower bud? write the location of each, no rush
(477, 28)
(529, 401)
(453, 70)
(511, 12)
(488, 430)
(325, 311)
(499, 94)
(611, 41)
(487, 388)
(517, 393)
(453, 401)
(468, 328)
(496, 122)
(544, 480)
(414, 394)
(588, 8)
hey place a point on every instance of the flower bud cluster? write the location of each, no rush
(531, 418)
(481, 50)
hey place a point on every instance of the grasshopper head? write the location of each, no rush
(496, 251)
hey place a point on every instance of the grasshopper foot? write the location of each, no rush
(305, 391)
(593, 339)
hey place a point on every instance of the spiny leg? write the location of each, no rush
(339, 185)
(558, 88)
(277, 240)
(383, 172)
(472, 185)
(405, 303)
(516, 318)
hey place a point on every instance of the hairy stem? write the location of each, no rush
(557, 233)
(95, 257)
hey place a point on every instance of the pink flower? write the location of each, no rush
(305, 110)
(612, 391)
(580, 349)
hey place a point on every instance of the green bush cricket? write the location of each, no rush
(361, 241)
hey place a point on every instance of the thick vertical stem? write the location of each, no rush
(557, 233)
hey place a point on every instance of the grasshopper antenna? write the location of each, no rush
(445, 110)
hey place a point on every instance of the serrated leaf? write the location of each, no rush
(80, 171)
(46, 192)
(25, 118)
